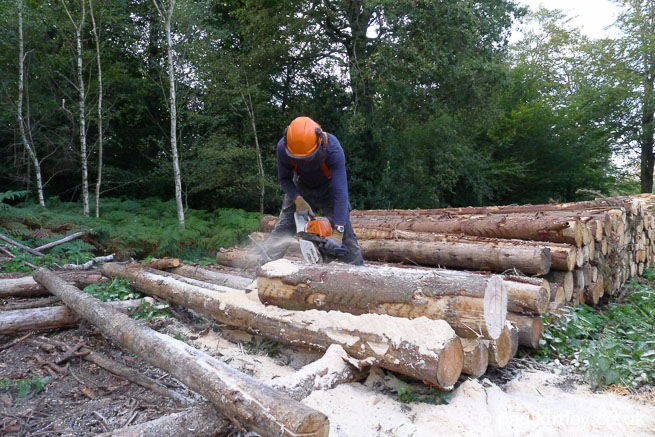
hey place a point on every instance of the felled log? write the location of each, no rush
(397, 292)
(41, 319)
(527, 295)
(561, 279)
(27, 286)
(20, 245)
(476, 356)
(323, 374)
(257, 406)
(461, 255)
(332, 369)
(530, 329)
(563, 256)
(554, 228)
(239, 258)
(58, 242)
(218, 278)
(163, 263)
(425, 349)
(90, 263)
(31, 303)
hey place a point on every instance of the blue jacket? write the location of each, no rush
(311, 175)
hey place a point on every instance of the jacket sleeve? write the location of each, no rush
(285, 172)
(336, 162)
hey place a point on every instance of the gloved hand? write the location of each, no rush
(302, 205)
(333, 246)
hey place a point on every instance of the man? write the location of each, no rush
(311, 168)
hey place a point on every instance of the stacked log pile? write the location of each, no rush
(579, 252)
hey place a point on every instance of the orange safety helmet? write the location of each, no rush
(304, 137)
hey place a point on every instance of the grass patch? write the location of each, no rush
(262, 346)
(137, 228)
(612, 345)
(434, 396)
(24, 386)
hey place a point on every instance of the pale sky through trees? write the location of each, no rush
(592, 16)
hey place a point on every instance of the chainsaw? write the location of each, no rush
(311, 233)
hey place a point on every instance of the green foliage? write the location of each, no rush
(116, 289)
(25, 386)
(10, 195)
(615, 345)
(138, 228)
(147, 311)
(407, 395)
(263, 346)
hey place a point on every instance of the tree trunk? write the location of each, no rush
(237, 395)
(425, 349)
(96, 37)
(260, 164)
(41, 319)
(166, 14)
(397, 292)
(163, 263)
(27, 286)
(58, 242)
(31, 151)
(239, 258)
(462, 255)
(20, 246)
(218, 278)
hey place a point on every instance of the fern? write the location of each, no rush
(11, 195)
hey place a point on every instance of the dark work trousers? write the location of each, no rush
(322, 201)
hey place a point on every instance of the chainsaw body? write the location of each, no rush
(311, 233)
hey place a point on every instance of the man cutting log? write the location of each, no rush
(311, 169)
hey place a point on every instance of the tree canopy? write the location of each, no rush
(431, 102)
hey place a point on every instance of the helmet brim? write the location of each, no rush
(307, 157)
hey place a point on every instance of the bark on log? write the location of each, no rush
(476, 356)
(462, 255)
(237, 395)
(323, 374)
(561, 279)
(554, 228)
(563, 255)
(397, 292)
(58, 242)
(514, 337)
(31, 303)
(41, 319)
(27, 286)
(239, 258)
(218, 278)
(163, 263)
(425, 349)
(19, 245)
(530, 329)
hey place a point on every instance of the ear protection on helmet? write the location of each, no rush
(321, 137)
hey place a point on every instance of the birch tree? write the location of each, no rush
(97, 40)
(80, 85)
(21, 90)
(165, 10)
(247, 100)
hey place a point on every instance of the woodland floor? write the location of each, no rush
(523, 398)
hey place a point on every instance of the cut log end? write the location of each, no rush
(476, 356)
(500, 350)
(451, 362)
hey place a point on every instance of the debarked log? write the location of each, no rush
(425, 349)
(398, 292)
(41, 319)
(239, 396)
(27, 286)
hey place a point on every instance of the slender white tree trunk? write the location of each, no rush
(21, 88)
(251, 113)
(166, 15)
(97, 39)
(80, 84)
